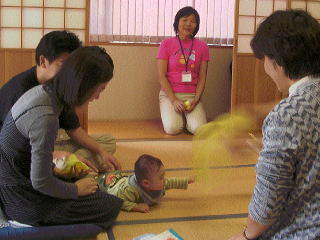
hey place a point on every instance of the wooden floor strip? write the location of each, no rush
(189, 169)
(182, 219)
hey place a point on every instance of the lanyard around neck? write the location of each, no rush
(186, 60)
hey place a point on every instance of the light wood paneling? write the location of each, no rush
(243, 80)
(14, 61)
(17, 61)
(2, 69)
(265, 90)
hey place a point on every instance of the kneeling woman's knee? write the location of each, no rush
(172, 129)
(192, 128)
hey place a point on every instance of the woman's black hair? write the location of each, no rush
(292, 39)
(82, 72)
(184, 12)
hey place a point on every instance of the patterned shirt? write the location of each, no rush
(287, 193)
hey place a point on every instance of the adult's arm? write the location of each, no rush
(202, 79)
(130, 198)
(201, 84)
(165, 85)
(276, 167)
(42, 133)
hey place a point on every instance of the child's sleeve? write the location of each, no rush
(130, 197)
(176, 183)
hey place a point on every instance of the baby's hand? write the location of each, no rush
(191, 179)
(141, 207)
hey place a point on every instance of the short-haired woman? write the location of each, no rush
(286, 200)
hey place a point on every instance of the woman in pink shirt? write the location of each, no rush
(182, 70)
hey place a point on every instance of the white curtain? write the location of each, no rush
(150, 21)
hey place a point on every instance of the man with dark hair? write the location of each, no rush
(52, 51)
(286, 200)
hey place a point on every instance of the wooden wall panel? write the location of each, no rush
(243, 80)
(265, 90)
(17, 61)
(2, 68)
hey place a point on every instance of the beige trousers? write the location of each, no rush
(173, 122)
(64, 143)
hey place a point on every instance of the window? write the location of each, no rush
(24, 22)
(150, 21)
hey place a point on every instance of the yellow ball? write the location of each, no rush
(187, 104)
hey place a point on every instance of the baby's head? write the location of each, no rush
(149, 172)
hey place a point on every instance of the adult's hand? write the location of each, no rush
(93, 170)
(193, 104)
(108, 162)
(178, 106)
(86, 186)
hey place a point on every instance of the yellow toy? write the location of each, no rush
(211, 147)
(187, 104)
(69, 167)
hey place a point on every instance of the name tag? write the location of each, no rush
(186, 77)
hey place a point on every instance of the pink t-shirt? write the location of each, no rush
(170, 50)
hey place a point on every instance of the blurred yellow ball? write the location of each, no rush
(211, 147)
(187, 104)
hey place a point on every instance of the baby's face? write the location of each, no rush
(157, 179)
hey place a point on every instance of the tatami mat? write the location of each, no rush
(227, 191)
(214, 209)
(217, 229)
(174, 154)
